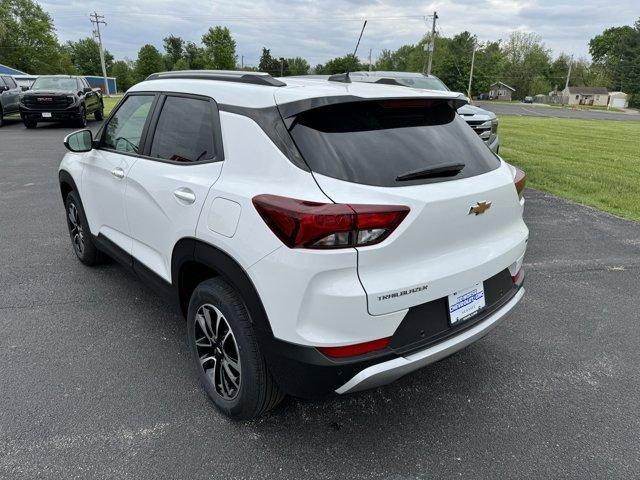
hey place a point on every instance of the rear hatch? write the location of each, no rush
(384, 152)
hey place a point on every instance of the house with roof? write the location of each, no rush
(501, 91)
(598, 96)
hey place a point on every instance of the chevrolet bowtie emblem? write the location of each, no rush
(479, 208)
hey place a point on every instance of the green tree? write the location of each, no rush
(453, 62)
(27, 38)
(525, 57)
(407, 58)
(182, 64)
(616, 57)
(268, 64)
(489, 66)
(539, 85)
(149, 61)
(124, 75)
(297, 66)
(174, 51)
(194, 56)
(85, 56)
(340, 65)
(219, 49)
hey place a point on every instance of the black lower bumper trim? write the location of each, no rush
(303, 371)
(428, 323)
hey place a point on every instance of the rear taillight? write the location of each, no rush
(518, 278)
(355, 350)
(520, 180)
(305, 224)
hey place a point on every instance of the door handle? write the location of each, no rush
(118, 173)
(185, 195)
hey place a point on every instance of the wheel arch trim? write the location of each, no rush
(188, 250)
(65, 177)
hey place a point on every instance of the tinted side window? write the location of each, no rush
(2, 84)
(124, 129)
(185, 131)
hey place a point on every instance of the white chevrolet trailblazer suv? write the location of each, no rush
(318, 236)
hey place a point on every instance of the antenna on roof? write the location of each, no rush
(344, 77)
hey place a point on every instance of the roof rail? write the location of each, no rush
(389, 81)
(254, 78)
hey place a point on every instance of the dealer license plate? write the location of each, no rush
(464, 304)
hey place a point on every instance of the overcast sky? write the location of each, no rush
(323, 29)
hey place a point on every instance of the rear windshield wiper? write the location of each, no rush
(438, 170)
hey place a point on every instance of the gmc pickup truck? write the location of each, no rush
(57, 98)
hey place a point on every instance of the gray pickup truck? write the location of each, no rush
(484, 122)
(9, 97)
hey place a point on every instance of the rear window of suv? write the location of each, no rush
(374, 142)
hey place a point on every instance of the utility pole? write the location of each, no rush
(242, 62)
(97, 20)
(432, 47)
(473, 59)
(566, 85)
(282, 66)
(369, 59)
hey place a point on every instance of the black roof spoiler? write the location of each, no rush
(253, 78)
(290, 109)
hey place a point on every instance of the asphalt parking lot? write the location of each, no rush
(538, 110)
(96, 383)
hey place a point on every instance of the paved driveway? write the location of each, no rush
(95, 381)
(536, 110)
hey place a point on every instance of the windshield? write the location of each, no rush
(374, 142)
(55, 83)
(428, 83)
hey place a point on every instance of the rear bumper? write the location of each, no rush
(386, 372)
(303, 371)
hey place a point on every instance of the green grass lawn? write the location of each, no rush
(109, 103)
(593, 162)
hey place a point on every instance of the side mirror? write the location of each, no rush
(3, 88)
(80, 141)
(87, 89)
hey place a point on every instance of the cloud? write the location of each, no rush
(319, 30)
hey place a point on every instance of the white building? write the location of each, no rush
(598, 96)
(618, 100)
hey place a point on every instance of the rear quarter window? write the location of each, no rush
(374, 142)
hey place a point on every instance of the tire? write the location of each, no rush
(30, 123)
(82, 121)
(99, 114)
(1, 118)
(231, 351)
(79, 232)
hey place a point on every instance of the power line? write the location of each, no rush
(124, 14)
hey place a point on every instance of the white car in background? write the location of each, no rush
(318, 236)
(484, 122)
